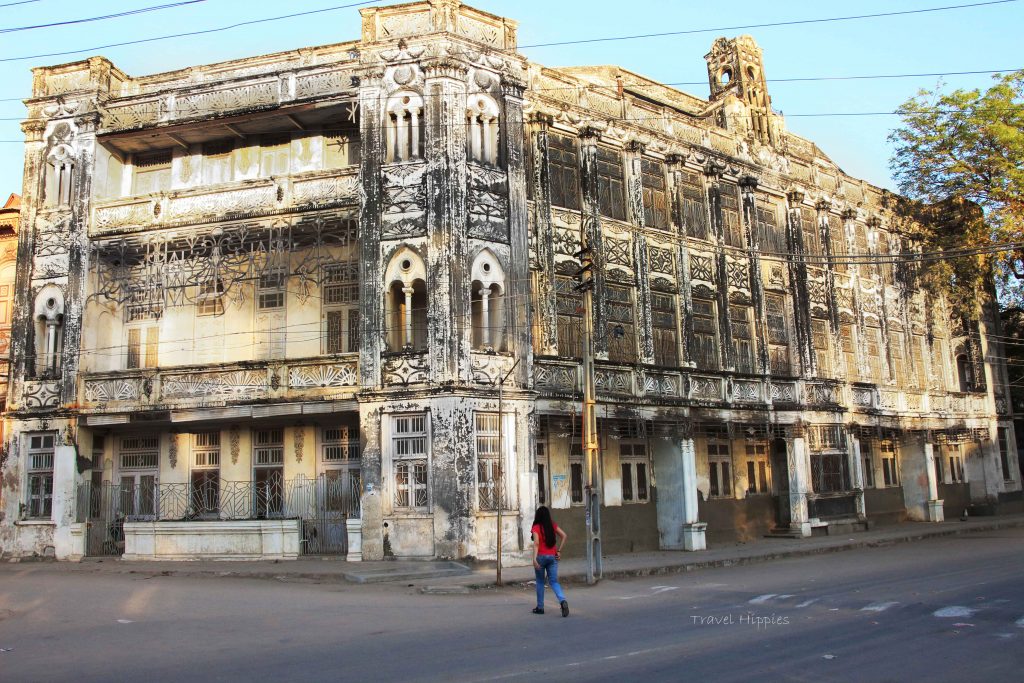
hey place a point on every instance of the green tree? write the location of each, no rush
(968, 146)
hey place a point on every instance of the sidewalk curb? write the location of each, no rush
(568, 577)
(696, 565)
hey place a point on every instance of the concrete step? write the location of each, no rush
(407, 571)
(783, 532)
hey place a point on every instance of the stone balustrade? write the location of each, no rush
(557, 378)
(230, 201)
(306, 380)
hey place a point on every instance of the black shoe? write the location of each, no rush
(565, 608)
(538, 610)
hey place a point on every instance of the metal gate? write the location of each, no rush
(333, 499)
(102, 507)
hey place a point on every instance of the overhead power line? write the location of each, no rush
(23, 2)
(792, 22)
(69, 22)
(202, 32)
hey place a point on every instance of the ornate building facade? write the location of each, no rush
(323, 301)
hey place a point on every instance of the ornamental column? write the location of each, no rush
(798, 276)
(679, 227)
(714, 176)
(635, 202)
(544, 233)
(592, 236)
(748, 189)
(448, 255)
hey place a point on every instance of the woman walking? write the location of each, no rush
(548, 540)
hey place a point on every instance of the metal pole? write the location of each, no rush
(500, 485)
(501, 455)
(590, 450)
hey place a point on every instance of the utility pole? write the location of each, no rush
(590, 451)
(500, 485)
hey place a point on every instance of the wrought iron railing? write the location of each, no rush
(213, 498)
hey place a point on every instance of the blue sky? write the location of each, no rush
(978, 38)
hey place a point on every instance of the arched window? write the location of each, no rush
(487, 303)
(49, 331)
(404, 127)
(482, 130)
(406, 302)
(964, 372)
(60, 170)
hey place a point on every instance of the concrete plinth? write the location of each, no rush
(264, 539)
(935, 513)
(695, 536)
(355, 539)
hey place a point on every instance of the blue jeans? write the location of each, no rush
(549, 564)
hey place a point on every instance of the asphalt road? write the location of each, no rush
(949, 609)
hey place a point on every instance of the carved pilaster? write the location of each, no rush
(713, 172)
(518, 317)
(748, 193)
(798, 276)
(448, 260)
(371, 315)
(635, 201)
(591, 234)
(545, 235)
(824, 207)
(675, 194)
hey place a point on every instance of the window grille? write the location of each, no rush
(873, 349)
(569, 307)
(576, 479)
(811, 232)
(732, 225)
(705, 334)
(890, 472)
(211, 298)
(837, 240)
(695, 212)
(410, 456)
(206, 449)
(621, 325)
(543, 472)
(1004, 452)
(270, 290)
(719, 469)
(143, 354)
(340, 444)
(898, 354)
(771, 235)
(40, 476)
(140, 452)
(663, 320)
(611, 180)
(635, 467)
(564, 170)
(869, 464)
(152, 172)
(849, 346)
(742, 337)
(654, 196)
(269, 448)
(488, 461)
(758, 469)
(822, 352)
(778, 335)
(275, 155)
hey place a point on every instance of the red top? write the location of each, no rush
(544, 548)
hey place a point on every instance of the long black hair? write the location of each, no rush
(543, 517)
